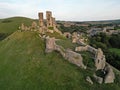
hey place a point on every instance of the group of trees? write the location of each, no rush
(104, 41)
(115, 41)
(113, 59)
(100, 40)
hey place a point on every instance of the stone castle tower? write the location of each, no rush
(41, 21)
(49, 18)
(50, 21)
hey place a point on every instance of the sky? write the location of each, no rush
(68, 10)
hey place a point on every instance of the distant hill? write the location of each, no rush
(93, 22)
(104, 22)
(9, 25)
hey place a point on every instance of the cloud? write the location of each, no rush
(25, 8)
(62, 9)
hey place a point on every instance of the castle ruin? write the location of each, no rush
(50, 21)
(49, 25)
(45, 25)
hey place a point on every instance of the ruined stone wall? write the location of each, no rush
(74, 58)
(23, 27)
(86, 48)
(110, 76)
(71, 56)
(91, 49)
(74, 37)
(67, 34)
(50, 45)
(100, 59)
(98, 53)
(81, 48)
(34, 25)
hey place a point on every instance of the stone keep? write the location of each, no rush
(41, 22)
(49, 19)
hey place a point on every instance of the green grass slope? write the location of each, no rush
(9, 25)
(25, 66)
(115, 50)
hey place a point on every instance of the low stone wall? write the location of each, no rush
(98, 53)
(74, 58)
(71, 56)
(91, 49)
(86, 48)
(81, 48)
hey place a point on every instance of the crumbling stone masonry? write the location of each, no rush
(53, 23)
(98, 53)
(100, 63)
(67, 34)
(34, 25)
(86, 48)
(68, 54)
(100, 59)
(50, 45)
(41, 22)
(49, 19)
(74, 58)
(110, 76)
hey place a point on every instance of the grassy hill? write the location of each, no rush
(25, 66)
(9, 25)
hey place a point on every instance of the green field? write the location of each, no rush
(24, 65)
(115, 50)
